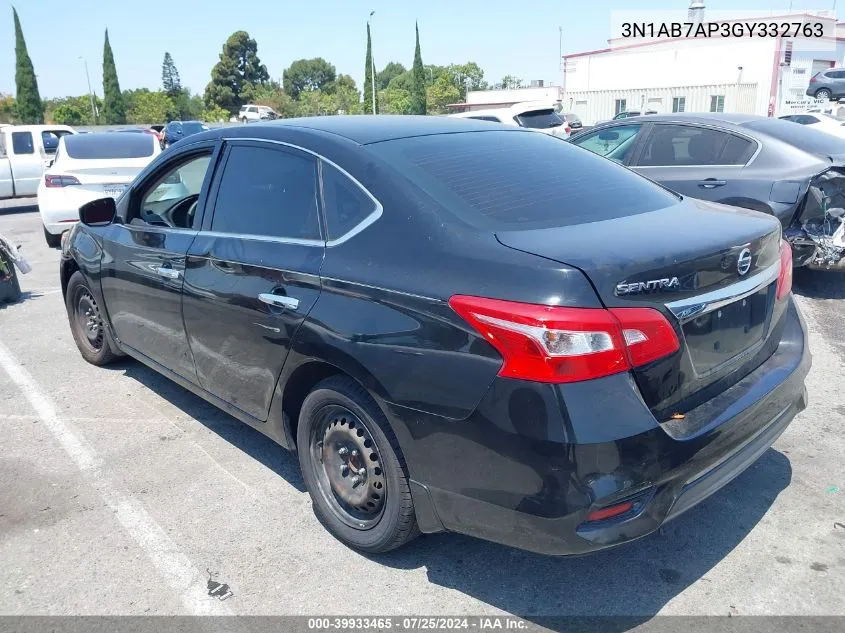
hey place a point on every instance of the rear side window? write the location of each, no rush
(346, 205)
(22, 143)
(269, 192)
(669, 145)
(108, 146)
(539, 119)
(517, 180)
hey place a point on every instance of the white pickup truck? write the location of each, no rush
(25, 150)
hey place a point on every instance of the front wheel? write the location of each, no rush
(86, 322)
(354, 469)
(823, 93)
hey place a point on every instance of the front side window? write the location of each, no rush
(615, 143)
(22, 143)
(485, 118)
(346, 205)
(269, 192)
(717, 103)
(670, 145)
(50, 142)
(171, 200)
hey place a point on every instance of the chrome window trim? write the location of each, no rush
(363, 224)
(265, 238)
(685, 309)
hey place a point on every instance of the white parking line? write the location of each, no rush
(176, 569)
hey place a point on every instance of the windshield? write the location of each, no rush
(539, 119)
(100, 146)
(515, 180)
(800, 136)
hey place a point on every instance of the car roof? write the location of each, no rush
(366, 129)
(702, 117)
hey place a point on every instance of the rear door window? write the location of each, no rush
(268, 191)
(504, 180)
(686, 145)
(615, 142)
(539, 119)
(22, 143)
(346, 205)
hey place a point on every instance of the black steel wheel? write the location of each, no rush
(86, 322)
(353, 468)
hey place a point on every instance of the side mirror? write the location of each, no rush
(98, 212)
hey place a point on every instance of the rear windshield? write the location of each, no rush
(803, 137)
(104, 146)
(501, 180)
(193, 128)
(539, 119)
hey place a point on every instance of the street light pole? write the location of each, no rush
(372, 62)
(90, 93)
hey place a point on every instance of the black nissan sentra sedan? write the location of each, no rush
(455, 325)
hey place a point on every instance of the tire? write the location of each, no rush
(342, 413)
(823, 93)
(86, 323)
(53, 241)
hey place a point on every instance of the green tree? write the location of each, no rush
(441, 93)
(29, 108)
(239, 71)
(467, 76)
(369, 107)
(271, 94)
(67, 114)
(7, 108)
(395, 100)
(82, 103)
(418, 97)
(388, 73)
(308, 74)
(151, 107)
(215, 114)
(170, 77)
(508, 82)
(114, 110)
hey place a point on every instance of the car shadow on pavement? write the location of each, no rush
(240, 435)
(819, 284)
(21, 208)
(630, 583)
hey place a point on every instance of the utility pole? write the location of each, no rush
(90, 93)
(372, 62)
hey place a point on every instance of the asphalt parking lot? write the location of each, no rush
(120, 493)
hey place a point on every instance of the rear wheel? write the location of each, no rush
(86, 322)
(53, 241)
(823, 93)
(354, 469)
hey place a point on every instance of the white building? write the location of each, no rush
(762, 76)
(483, 99)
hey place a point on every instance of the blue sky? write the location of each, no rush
(504, 38)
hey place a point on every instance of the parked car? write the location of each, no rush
(456, 325)
(819, 121)
(827, 84)
(252, 113)
(175, 131)
(24, 152)
(535, 116)
(87, 167)
(795, 173)
(573, 120)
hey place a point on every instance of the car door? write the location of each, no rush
(252, 274)
(26, 161)
(144, 257)
(697, 161)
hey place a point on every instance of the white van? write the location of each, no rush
(25, 150)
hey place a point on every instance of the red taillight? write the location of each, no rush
(785, 274)
(560, 344)
(59, 181)
(611, 511)
(814, 79)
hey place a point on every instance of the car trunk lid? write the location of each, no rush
(711, 269)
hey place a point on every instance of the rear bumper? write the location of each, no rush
(516, 473)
